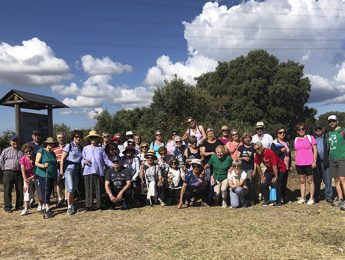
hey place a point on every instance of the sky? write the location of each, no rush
(106, 54)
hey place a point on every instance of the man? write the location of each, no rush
(36, 140)
(106, 139)
(9, 163)
(336, 143)
(273, 175)
(261, 136)
(179, 152)
(61, 138)
(118, 183)
(321, 173)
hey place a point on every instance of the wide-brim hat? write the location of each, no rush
(195, 161)
(49, 140)
(128, 149)
(150, 153)
(92, 133)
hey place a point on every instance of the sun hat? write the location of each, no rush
(92, 133)
(49, 140)
(332, 117)
(260, 124)
(150, 153)
(195, 161)
(158, 132)
(189, 119)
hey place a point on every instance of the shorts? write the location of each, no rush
(71, 180)
(304, 170)
(337, 168)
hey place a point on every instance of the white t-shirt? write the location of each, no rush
(174, 178)
(265, 139)
(236, 178)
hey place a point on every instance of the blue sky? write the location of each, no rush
(105, 54)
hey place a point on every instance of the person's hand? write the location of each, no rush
(314, 165)
(263, 179)
(246, 158)
(284, 149)
(179, 206)
(119, 196)
(87, 162)
(46, 165)
(274, 180)
(113, 199)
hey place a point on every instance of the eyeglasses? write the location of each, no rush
(281, 132)
(235, 134)
(28, 151)
(259, 129)
(196, 166)
(178, 142)
(332, 121)
(300, 129)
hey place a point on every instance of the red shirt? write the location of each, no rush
(58, 152)
(269, 158)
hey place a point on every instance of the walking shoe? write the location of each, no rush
(32, 203)
(24, 212)
(70, 211)
(60, 204)
(278, 205)
(330, 201)
(204, 204)
(39, 208)
(161, 202)
(265, 203)
(224, 205)
(301, 201)
(8, 210)
(342, 208)
(311, 202)
(47, 213)
(338, 203)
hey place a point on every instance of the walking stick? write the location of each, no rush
(45, 194)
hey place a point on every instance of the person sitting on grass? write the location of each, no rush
(194, 186)
(275, 169)
(118, 184)
(238, 186)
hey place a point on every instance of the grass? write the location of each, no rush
(291, 232)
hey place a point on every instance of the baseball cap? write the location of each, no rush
(116, 159)
(332, 117)
(36, 132)
(13, 137)
(129, 133)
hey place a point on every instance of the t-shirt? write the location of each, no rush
(235, 178)
(28, 165)
(50, 158)
(220, 166)
(304, 150)
(224, 139)
(74, 156)
(192, 180)
(269, 158)
(155, 147)
(210, 147)
(118, 178)
(336, 143)
(247, 152)
(152, 172)
(265, 139)
(58, 152)
(232, 147)
(174, 178)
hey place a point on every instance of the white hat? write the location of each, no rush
(260, 124)
(129, 133)
(195, 161)
(332, 117)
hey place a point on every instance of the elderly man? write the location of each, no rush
(118, 183)
(36, 140)
(261, 136)
(275, 168)
(336, 143)
(58, 150)
(9, 163)
(179, 152)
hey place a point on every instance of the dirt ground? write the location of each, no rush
(291, 232)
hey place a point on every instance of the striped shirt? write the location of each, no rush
(9, 159)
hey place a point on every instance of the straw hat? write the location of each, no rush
(49, 140)
(150, 153)
(92, 133)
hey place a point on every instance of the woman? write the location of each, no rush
(192, 152)
(281, 147)
(70, 167)
(137, 141)
(194, 130)
(151, 176)
(144, 147)
(194, 186)
(111, 150)
(305, 161)
(237, 183)
(158, 142)
(245, 153)
(46, 170)
(209, 145)
(94, 162)
(27, 165)
(175, 177)
(220, 164)
(233, 145)
(224, 135)
(171, 145)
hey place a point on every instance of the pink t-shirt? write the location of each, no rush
(29, 166)
(304, 151)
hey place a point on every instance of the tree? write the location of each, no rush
(57, 128)
(324, 117)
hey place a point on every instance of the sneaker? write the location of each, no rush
(204, 204)
(70, 211)
(8, 210)
(265, 203)
(39, 208)
(60, 204)
(342, 208)
(251, 202)
(330, 201)
(301, 201)
(47, 213)
(311, 202)
(278, 205)
(24, 212)
(162, 203)
(224, 205)
(338, 203)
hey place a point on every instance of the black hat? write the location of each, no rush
(116, 159)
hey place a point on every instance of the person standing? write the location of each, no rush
(58, 150)
(9, 162)
(336, 143)
(261, 136)
(321, 173)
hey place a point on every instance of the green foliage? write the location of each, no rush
(340, 115)
(5, 139)
(62, 128)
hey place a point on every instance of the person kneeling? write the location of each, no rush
(118, 184)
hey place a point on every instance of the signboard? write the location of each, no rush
(31, 122)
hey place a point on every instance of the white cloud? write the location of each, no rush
(81, 101)
(135, 97)
(71, 90)
(95, 66)
(31, 64)
(96, 111)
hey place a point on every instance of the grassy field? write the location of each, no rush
(291, 232)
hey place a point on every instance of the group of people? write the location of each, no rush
(195, 168)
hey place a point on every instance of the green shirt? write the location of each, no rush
(336, 143)
(220, 166)
(50, 158)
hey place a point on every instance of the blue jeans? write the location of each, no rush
(237, 197)
(322, 174)
(71, 180)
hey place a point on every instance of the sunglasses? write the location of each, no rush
(193, 143)
(281, 132)
(145, 146)
(196, 166)
(178, 142)
(257, 149)
(234, 134)
(28, 151)
(332, 121)
(106, 136)
(77, 137)
(300, 129)
(237, 166)
(116, 161)
(158, 135)
(258, 129)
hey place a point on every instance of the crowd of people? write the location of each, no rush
(194, 168)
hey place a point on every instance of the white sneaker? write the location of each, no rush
(161, 202)
(224, 205)
(24, 212)
(301, 201)
(311, 202)
(39, 208)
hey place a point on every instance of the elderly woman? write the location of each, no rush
(208, 147)
(70, 167)
(238, 187)
(282, 148)
(220, 164)
(158, 142)
(305, 161)
(175, 177)
(94, 162)
(195, 130)
(233, 145)
(46, 170)
(224, 135)
(150, 173)
(144, 147)
(194, 186)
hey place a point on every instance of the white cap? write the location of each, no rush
(332, 117)
(260, 124)
(129, 133)
(196, 161)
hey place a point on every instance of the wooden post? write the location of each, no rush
(18, 123)
(50, 120)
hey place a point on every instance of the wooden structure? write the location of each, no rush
(24, 100)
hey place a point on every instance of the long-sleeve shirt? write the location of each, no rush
(97, 158)
(9, 159)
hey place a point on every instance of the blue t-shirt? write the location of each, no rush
(74, 156)
(191, 180)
